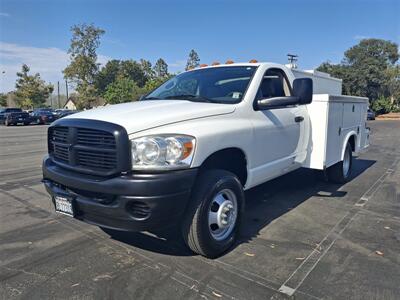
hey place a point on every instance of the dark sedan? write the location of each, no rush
(66, 112)
(370, 114)
(15, 118)
(43, 116)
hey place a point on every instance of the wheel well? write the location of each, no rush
(230, 159)
(352, 141)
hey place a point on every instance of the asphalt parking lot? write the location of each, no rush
(302, 238)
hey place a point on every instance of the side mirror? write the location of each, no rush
(303, 89)
(141, 97)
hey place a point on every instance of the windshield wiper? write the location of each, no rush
(190, 97)
(151, 98)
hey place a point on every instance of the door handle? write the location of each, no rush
(298, 119)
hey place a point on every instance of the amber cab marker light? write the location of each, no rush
(203, 65)
(229, 62)
(253, 61)
(215, 63)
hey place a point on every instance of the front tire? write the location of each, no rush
(212, 219)
(341, 171)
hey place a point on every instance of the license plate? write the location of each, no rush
(64, 205)
(20, 119)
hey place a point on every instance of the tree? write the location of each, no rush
(3, 100)
(31, 91)
(147, 69)
(193, 60)
(83, 67)
(392, 85)
(161, 68)
(368, 69)
(116, 69)
(122, 90)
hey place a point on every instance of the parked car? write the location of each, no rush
(186, 153)
(370, 114)
(65, 112)
(15, 118)
(5, 111)
(43, 116)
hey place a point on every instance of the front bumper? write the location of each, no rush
(132, 202)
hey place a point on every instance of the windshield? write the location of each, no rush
(216, 85)
(9, 110)
(20, 114)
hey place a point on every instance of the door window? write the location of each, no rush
(274, 84)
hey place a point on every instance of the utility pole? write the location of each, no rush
(292, 58)
(58, 93)
(66, 88)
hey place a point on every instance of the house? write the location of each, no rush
(70, 104)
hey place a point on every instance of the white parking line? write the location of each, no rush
(294, 281)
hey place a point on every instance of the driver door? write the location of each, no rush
(278, 132)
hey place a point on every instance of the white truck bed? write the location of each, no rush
(333, 120)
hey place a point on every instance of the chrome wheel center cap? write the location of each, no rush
(225, 214)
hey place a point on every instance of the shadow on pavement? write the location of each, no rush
(264, 204)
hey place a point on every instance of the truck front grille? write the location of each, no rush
(92, 149)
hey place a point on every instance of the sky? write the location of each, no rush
(37, 32)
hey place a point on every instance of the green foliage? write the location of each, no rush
(3, 100)
(382, 105)
(193, 60)
(160, 68)
(122, 90)
(392, 84)
(147, 69)
(369, 69)
(115, 69)
(83, 67)
(31, 90)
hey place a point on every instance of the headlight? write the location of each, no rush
(162, 152)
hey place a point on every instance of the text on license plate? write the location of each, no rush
(63, 205)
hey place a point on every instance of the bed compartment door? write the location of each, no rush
(334, 133)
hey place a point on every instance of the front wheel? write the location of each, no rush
(212, 219)
(341, 171)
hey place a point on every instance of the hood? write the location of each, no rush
(143, 115)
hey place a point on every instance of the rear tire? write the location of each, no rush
(341, 171)
(212, 219)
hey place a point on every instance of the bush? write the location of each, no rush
(382, 105)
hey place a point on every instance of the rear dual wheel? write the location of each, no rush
(212, 220)
(341, 171)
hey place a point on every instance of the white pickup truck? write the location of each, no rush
(186, 152)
